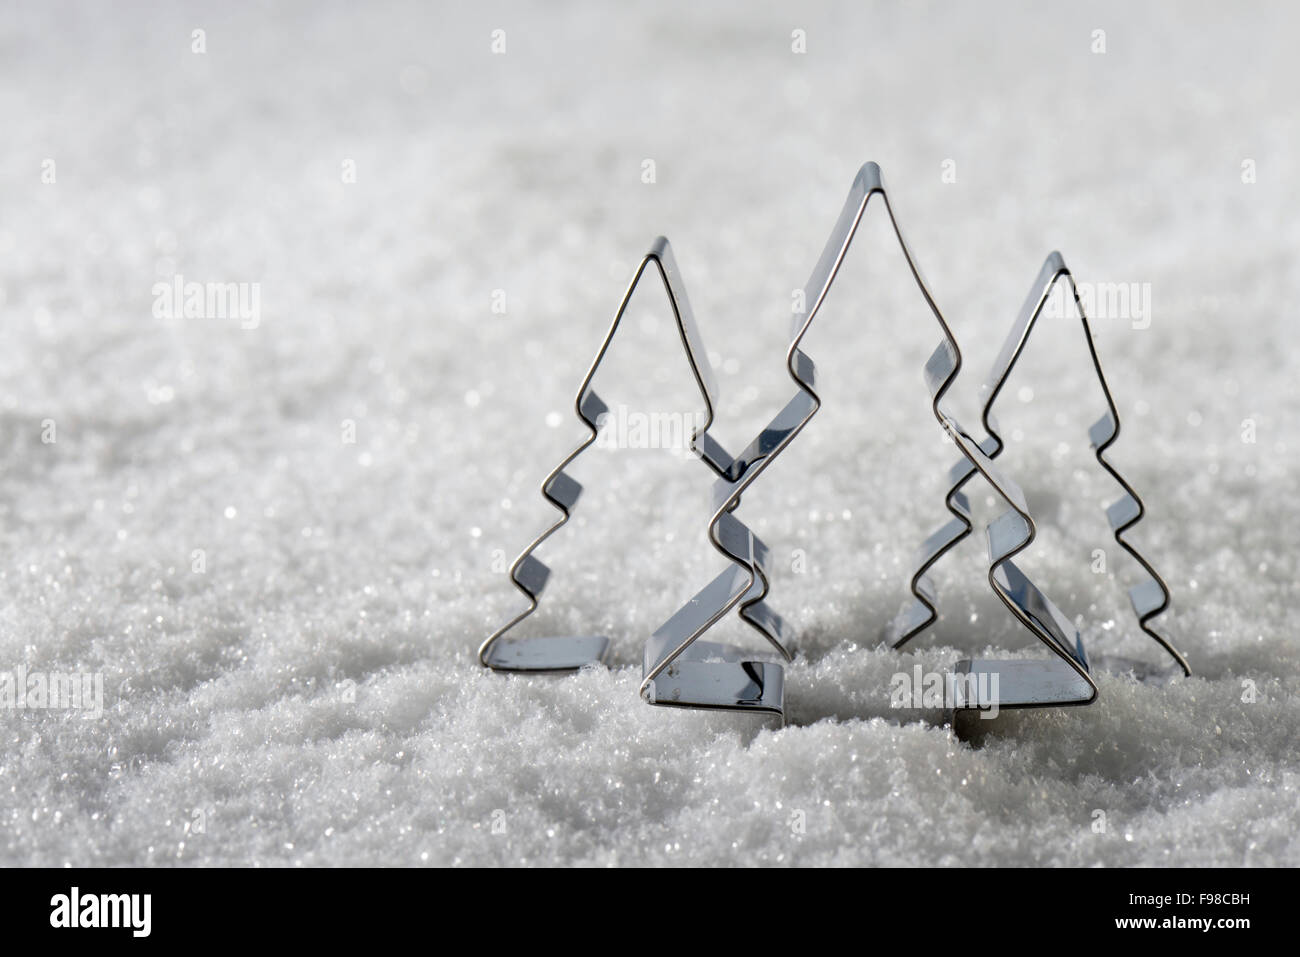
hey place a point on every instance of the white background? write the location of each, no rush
(373, 567)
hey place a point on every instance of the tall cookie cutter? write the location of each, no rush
(680, 670)
(530, 574)
(1034, 683)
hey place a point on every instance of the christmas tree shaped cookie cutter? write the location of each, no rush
(680, 670)
(502, 652)
(1034, 683)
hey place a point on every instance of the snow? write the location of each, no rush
(310, 695)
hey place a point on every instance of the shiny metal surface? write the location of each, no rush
(1022, 683)
(1008, 535)
(1034, 684)
(529, 574)
(681, 670)
(744, 584)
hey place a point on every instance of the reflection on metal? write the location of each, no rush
(744, 584)
(1034, 683)
(681, 670)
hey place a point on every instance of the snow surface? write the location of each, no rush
(312, 696)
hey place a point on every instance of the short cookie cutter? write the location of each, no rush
(530, 574)
(1032, 683)
(679, 670)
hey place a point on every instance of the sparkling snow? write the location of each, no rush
(285, 620)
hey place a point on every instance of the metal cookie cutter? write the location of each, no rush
(569, 653)
(1032, 683)
(680, 670)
